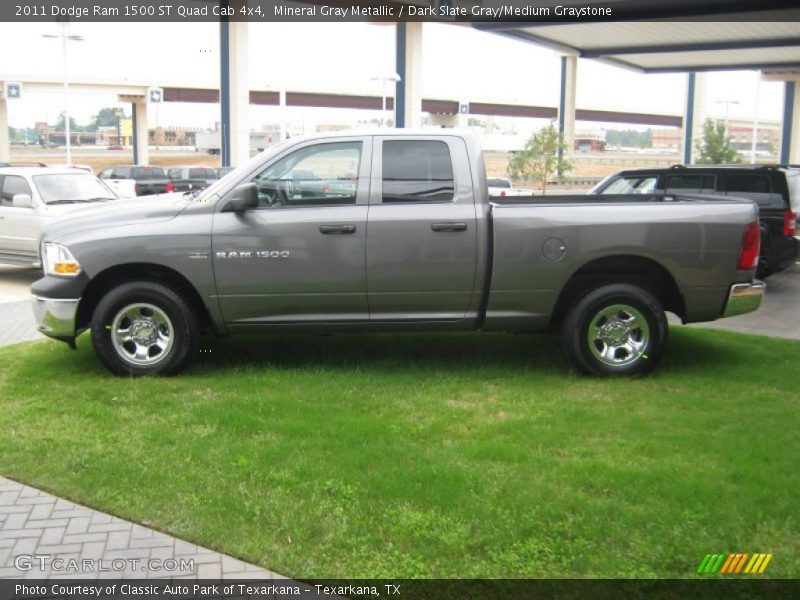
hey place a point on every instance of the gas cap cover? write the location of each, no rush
(554, 249)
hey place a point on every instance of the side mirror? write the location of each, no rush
(243, 197)
(22, 201)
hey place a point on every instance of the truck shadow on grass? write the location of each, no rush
(687, 351)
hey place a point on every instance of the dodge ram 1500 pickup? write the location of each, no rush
(386, 232)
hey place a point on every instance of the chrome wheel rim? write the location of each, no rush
(142, 334)
(618, 335)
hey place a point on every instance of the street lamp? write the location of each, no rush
(64, 37)
(394, 78)
(727, 104)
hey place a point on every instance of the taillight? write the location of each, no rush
(789, 223)
(137, 189)
(502, 193)
(170, 187)
(751, 246)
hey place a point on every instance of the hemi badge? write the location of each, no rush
(198, 254)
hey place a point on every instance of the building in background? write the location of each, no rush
(172, 136)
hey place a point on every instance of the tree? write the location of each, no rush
(630, 138)
(715, 146)
(73, 126)
(541, 158)
(106, 117)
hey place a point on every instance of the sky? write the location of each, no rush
(459, 63)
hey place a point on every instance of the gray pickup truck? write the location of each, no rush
(392, 231)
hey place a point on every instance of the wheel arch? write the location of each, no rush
(125, 273)
(642, 271)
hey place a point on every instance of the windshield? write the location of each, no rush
(71, 187)
(629, 184)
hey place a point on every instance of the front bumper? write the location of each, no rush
(56, 317)
(744, 298)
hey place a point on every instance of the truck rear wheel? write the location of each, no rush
(144, 328)
(618, 329)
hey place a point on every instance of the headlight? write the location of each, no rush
(57, 260)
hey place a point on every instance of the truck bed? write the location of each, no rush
(541, 241)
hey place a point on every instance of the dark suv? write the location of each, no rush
(776, 189)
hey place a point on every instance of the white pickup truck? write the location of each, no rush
(30, 197)
(500, 187)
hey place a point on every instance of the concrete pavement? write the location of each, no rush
(15, 282)
(779, 315)
(35, 523)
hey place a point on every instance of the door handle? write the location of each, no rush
(454, 226)
(337, 229)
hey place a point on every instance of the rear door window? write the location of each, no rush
(197, 173)
(417, 171)
(690, 183)
(753, 186)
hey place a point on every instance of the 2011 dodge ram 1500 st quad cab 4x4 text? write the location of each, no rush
(392, 231)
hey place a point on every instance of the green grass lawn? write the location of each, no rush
(469, 455)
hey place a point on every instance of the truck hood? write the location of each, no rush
(149, 209)
(59, 210)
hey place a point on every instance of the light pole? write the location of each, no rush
(727, 104)
(754, 143)
(394, 78)
(64, 37)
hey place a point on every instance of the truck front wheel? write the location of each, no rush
(144, 328)
(618, 329)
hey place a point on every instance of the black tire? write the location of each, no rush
(623, 342)
(160, 313)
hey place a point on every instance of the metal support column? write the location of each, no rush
(562, 103)
(788, 121)
(400, 63)
(688, 121)
(134, 134)
(225, 89)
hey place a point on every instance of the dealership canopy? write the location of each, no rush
(674, 36)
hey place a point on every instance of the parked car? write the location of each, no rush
(500, 187)
(412, 243)
(30, 197)
(775, 188)
(131, 180)
(207, 174)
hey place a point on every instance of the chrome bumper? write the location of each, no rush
(744, 298)
(56, 317)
